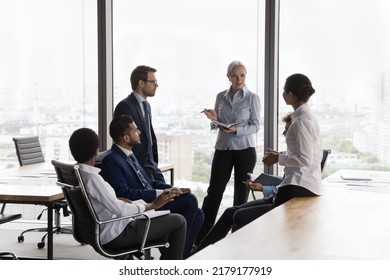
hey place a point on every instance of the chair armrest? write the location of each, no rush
(109, 220)
(124, 217)
(98, 223)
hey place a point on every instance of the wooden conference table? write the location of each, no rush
(44, 173)
(41, 195)
(36, 184)
(346, 222)
(33, 184)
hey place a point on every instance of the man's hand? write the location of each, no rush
(185, 190)
(168, 195)
(174, 190)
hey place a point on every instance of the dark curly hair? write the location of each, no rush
(83, 144)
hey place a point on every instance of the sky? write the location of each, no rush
(341, 45)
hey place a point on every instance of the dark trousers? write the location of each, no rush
(234, 218)
(187, 206)
(243, 161)
(287, 192)
(171, 227)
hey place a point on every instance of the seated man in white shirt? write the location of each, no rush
(84, 144)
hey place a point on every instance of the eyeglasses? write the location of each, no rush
(154, 82)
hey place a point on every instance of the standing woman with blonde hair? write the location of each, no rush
(235, 146)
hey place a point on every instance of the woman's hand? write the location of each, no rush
(210, 114)
(271, 157)
(254, 186)
(228, 130)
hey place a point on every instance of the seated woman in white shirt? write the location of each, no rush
(84, 144)
(302, 160)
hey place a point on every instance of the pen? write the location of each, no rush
(204, 110)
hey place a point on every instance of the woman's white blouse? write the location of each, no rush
(302, 160)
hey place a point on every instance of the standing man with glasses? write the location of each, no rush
(144, 84)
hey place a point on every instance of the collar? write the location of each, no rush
(139, 97)
(243, 91)
(301, 109)
(88, 168)
(124, 150)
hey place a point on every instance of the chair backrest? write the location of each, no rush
(5, 219)
(99, 158)
(86, 225)
(83, 222)
(89, 217)
(65, 172)
(28, 150)
(325, 154)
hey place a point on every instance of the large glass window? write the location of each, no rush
(342, 46)
(48, 73)
(190, 43)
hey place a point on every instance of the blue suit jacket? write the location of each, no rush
(130, 106)
(117, 171)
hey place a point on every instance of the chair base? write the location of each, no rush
(41, 244)
(8, 256)
(136, 256)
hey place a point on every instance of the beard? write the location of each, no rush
(135, 142)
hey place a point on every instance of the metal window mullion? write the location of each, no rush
(105, 70)
(271, 79)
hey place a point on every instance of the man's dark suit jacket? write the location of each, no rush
(130, 106)
(117, 170)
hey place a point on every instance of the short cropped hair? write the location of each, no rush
(233, 65)
(140, 73)
(83, 144)
(119, 126)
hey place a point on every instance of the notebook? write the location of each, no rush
(354, 176)
(267, 179)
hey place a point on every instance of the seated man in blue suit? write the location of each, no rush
(121, 170)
